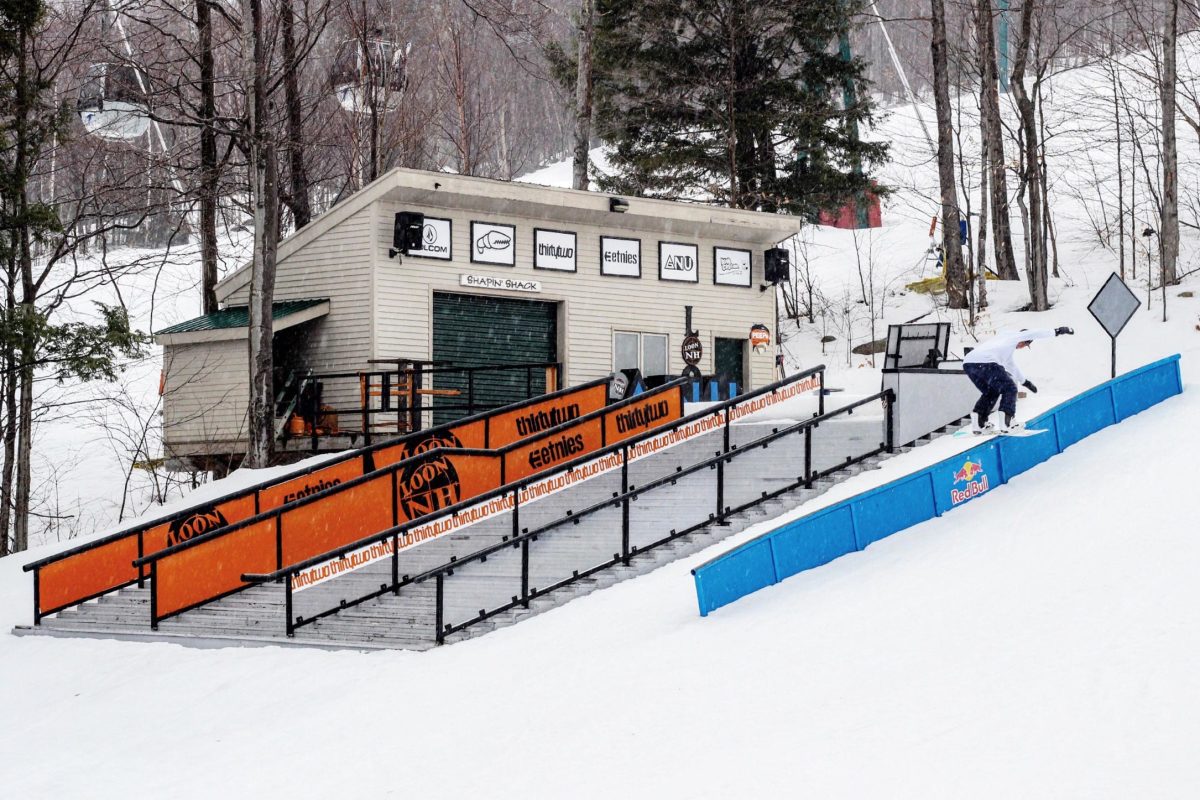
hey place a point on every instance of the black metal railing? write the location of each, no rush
(390, 471)
(253, 492)
(708, 477)
(405, 399)
(517, 536)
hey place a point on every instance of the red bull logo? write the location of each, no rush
(976, 481)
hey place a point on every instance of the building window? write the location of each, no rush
(644, 351)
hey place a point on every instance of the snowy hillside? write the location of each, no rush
(1041, 642)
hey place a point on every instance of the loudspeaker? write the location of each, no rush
(776, 265)
(406, 234)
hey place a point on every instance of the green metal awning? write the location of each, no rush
(239, 316)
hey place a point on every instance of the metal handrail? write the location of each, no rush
(507, 488)
(439, 574)
(432, 453)
(516, 538)
(633, 492)
(366, 450)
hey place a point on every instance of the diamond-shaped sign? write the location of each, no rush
(1114, 305)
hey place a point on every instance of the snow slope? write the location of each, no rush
(1041, 641)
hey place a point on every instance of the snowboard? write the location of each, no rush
(1010, 432)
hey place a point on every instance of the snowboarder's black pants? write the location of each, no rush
(993, 381)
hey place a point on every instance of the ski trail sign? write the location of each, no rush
(1113, 307)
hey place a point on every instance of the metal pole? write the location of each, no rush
(1114, 356)
(625, 505)
(808, 475)
(290, 626)
(439, 635)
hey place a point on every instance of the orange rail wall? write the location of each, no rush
(394, 495)
(93, 570)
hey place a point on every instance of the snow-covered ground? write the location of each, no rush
(1039, 642)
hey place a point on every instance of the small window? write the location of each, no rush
(625, 351)
(654, 354)
(644, 351)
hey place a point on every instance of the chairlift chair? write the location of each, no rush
(372, 66)
(113, 101)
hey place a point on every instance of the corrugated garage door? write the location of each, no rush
(474, 330)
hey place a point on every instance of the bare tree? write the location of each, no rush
(956, 273)
(583, 94)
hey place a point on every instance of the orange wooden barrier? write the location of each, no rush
(426, 476)
(99, 567)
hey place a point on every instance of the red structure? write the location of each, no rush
(848, 215)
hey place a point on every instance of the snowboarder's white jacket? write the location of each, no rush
(1001, 349)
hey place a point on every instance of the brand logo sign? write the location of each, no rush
(678, 262)
(731, 267)
(435, 240)
(691, 350)
(554, 250)
(621, 257)
(760, 337)
(504, 284)
(544, 419)
(311, 488)
(198, 523)
(969, 481)
(432, 483)
(493, 244)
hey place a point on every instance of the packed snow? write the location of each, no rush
(1041, 641)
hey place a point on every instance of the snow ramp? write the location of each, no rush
(852, 524)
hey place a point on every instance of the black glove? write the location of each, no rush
(1029, 385)
(1063, 331)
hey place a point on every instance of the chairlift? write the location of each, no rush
(370, 69)
(113, 101)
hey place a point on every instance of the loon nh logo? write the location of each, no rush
(975, 479)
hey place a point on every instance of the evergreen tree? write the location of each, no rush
(746, 101)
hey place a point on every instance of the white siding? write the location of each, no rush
(335, 265)
(205, 397)
(594, 305)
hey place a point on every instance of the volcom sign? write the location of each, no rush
(678, 262)
(554, 250)
(493, 244)
(622, 257)
(435, 240)
(731, 267)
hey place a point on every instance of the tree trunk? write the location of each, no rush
(993, 138)
(981, 240)
(583, 95)
(1038, 286)
(298, 200)
(1120, 177)
(23, 102)
(209, 188)
(956, 274)
(264, 196)
(10, 415)
(1169, 235)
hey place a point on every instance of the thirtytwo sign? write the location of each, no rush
(554, 250)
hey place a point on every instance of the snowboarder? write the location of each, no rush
(992, 367)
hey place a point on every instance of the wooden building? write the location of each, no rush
(507, 272)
